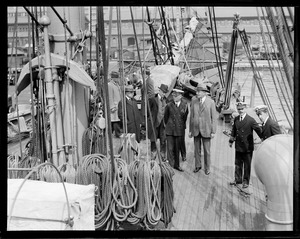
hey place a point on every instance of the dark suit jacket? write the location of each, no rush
(269, 129)
(242, 133)
(175, 118)
(203, 120)
(153, 105)
(133, 117)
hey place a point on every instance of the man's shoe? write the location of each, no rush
(197, 169)
(207, 172)
(179, 169)
(233, 183)
(245, 185)
(183, 159)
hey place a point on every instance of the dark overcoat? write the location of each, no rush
(153, 105)
(270, 128)
(175, 118)
(242, 133)
(133, 117)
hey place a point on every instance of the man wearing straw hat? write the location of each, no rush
(269, 126)
(242, 135)
(133, 117)
(175, 117)
(203, 126)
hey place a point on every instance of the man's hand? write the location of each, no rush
(113, 109)
(190, 134)
(212, 135)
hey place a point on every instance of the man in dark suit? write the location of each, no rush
(175, 117)
(157, 104)
(133, 117)
(242, 135)
(203, 125)
(269, 126)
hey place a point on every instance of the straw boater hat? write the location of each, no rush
(163, 88)
(261, 108)
(241, 103)
(201, 87)
(178, 90)
(129, 88)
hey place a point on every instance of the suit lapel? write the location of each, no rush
(243, 122)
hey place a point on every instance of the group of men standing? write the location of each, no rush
(166, 119)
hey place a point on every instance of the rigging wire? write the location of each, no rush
(16, 74)
(121, 65)
(215, 37)
(34, 123)
(33, 18)
(63, 21)
(257, 76)
(283, 53)
(68, 100)
(272, 70)
(284, 80)
(218, 48)
(104, 59)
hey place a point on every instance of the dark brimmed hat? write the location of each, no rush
(129, 88)
(201, 87)
(114, 74)
(261, 108)
(163, 88)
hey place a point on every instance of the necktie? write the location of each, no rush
(241, 118)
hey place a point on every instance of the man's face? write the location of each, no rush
(262, 116)
(200, 94)
(130, 94)
(162, 94)
(240, 109)
(176, 96)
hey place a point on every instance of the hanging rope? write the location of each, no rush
(63, 21)
(273, 72)
(283, 54)
(257, 77)
(96, 169)
(216, 45)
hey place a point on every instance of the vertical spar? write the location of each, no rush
(45, 21)
(104, 59)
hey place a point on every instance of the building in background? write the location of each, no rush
(179, 17)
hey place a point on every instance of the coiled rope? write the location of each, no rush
(96, 169)
(167, 197)
(124, 192)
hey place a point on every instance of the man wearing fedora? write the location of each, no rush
(242, 135)
(175, 117)
(114, 94)
(157, 104)
(133, 117)
(269, 126)
(203, 125)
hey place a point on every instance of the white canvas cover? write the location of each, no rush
(164, 74)
(39, 201)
